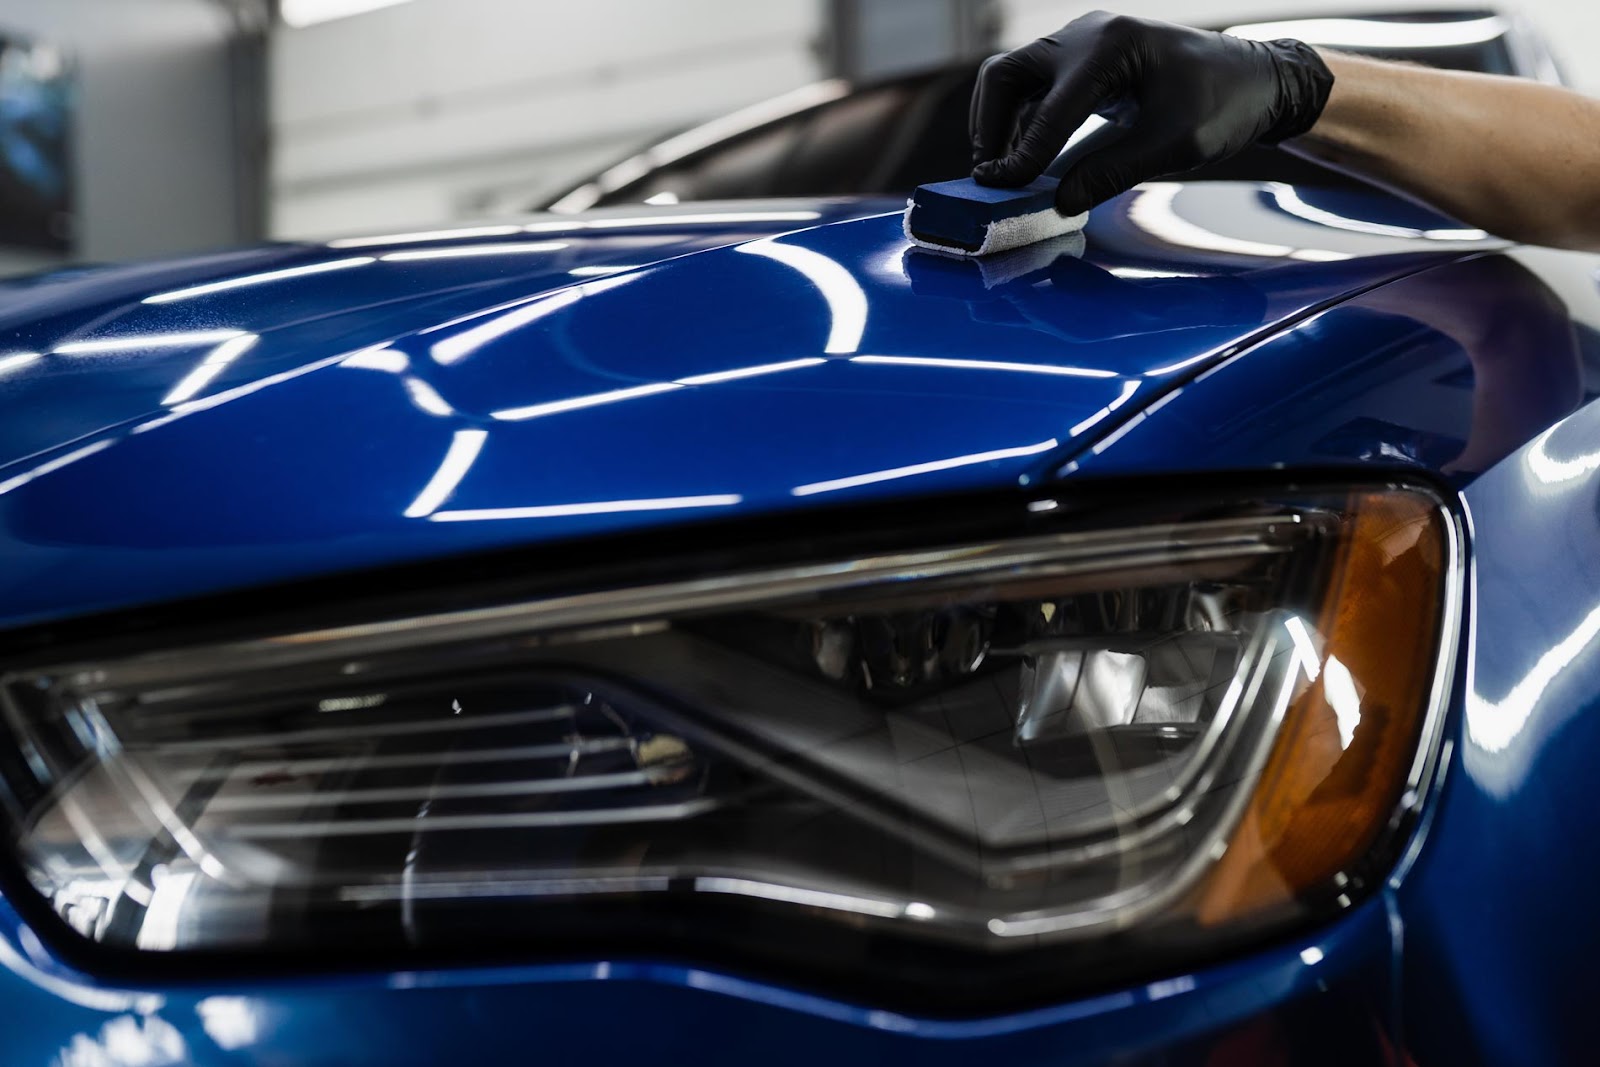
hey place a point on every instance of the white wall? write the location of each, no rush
(153, 144)
(1571, 27)
(440, 109)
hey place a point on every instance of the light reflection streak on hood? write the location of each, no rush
(847, 301)
(513, 316)
(930, 467)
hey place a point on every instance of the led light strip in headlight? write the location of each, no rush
(1202, 724)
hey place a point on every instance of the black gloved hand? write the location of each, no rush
(1201, 97)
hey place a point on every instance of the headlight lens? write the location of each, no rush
(1195, 725)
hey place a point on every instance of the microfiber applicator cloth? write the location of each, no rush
(967, 219)
(964, 218)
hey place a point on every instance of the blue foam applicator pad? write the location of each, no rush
(964, 218)
(958, 215)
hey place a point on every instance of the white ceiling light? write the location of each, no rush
(298, 13)
(1379, 33)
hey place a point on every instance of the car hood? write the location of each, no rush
(252, 417)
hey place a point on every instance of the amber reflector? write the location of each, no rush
(1341, 759)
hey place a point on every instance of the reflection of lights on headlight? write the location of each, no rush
(1079, 731)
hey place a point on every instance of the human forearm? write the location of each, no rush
(1513, 157)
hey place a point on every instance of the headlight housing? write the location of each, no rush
(1159, 728)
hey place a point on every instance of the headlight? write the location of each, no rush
(1177, 731)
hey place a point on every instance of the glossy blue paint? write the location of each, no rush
(396, 400)
(1500, 948)
(420, 406)
(1446, 371)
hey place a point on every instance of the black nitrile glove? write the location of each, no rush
(1200, 98)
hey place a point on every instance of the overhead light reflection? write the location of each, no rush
(190, 407)
(213, 365)
(463, 452)
(462, 234)
(607, 507)
(512, 316)
(146, 342)
(427, 398)
(986, 364)
(847, 302)
(1145, 272)
(1152, 211)
(923, 468)
(17, 360)
(1128, 389)
(247, 280)
(20, 480)
(600, 272)
(1156, 372)
(552, 407)
(1288, 200)
(1549, 470)
(379, 357)
(713, 218)
(1493, 724)
(1377, 33)
(473, 251)
(748, 372)
(534, 411)
(454, 348)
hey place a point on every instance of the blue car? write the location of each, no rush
(722, 633)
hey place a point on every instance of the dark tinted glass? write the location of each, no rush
(888, 139)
